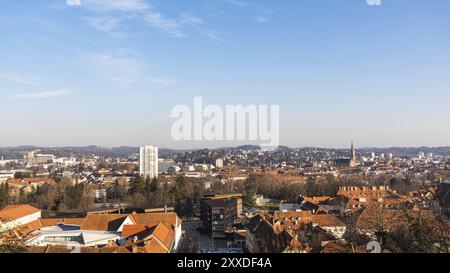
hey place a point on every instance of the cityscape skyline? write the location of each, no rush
(100, 67)
(351, 148)
(221, 133)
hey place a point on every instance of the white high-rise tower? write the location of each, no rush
(148, 162)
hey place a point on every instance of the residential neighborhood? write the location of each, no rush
(115, 205)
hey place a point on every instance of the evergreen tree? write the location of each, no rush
(154, 185)
(137, 185)
(4, 194)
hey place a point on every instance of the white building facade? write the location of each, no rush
(17, 215)
(148, 162)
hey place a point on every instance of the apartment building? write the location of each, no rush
(148, 162)
(219, 213)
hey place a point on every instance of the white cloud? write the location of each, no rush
(116, 5)
(174, 27)
(197, 23)
(170, 26)
(107, 24)
(374, 2)
(73, 2)
(125, 70)
(103, 23)
(263, 12)
(19, 79)
(238, 3)
(109, 21)
(140, 10)
(122, 70)
(212, 35)
(42, 95)
(188, 19)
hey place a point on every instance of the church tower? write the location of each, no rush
(353, 158)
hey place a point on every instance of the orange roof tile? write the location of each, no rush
(134, 230)
(165, 234)
(14, 212)
(152, 219)
(153, 246)
(104, 222)
(27, 228)
(305, 217)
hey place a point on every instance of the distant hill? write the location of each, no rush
(124, 151)
(240, 148)
(409, 150)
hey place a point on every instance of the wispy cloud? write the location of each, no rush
(42, 95)
(107, 24)
(212, 35)
(103, 23)
(19, 79)
(238, 3)
(159, 21)
(197, 23)
(139, 9)
(123, 71)
(262, 13)
(116, 5)
(108, 15)
(117, 69)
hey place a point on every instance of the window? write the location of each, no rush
(63, 239)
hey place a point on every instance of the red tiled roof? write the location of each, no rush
(152, 219)
(103, 222)
(164, 234)
(154, 246)
(14, 212)
(134, 230)
(305, 217)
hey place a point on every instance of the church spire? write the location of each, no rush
(353, 153)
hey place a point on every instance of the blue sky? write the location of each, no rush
(109, 72)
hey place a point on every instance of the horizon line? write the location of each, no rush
(220, 147)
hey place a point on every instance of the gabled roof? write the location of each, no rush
(14, 212)
(154, 246)
(23, 230)
(376, 218)
(323, 220)
(309, 206)
(164, 234)
(103, 222)
(317, 199)
(136, 230)
(152, 219)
